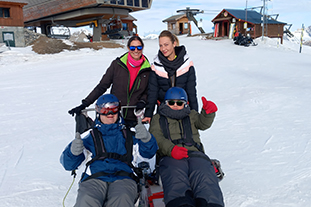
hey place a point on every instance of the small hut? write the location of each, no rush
(178, 24)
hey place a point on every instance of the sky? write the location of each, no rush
(150, 21)
(261, 133)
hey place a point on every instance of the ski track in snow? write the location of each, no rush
(3, 177)
(21, 152)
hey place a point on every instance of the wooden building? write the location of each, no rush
(119, 27)
(12, 22)
(178, 24)
(104, 16)
(246, 22)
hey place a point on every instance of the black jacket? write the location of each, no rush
(160, 81)
(118, 76)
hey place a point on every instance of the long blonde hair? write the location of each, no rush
(173, 37)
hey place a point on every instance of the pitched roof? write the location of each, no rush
(129, 17)
(174, 17)
(16, 1)
(252, 16)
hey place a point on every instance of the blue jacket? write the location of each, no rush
(114, 141)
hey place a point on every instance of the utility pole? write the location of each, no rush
(263, 18)
(246, 17)
(303, 27)
(246, 11)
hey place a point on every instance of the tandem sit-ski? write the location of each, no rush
(149, 185)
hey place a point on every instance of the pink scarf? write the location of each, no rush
(133, 67)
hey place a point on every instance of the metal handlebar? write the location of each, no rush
(139, 113)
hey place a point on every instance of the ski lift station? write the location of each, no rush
(107, 18)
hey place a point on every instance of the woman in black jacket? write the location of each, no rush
(171, 67)
(128, 77)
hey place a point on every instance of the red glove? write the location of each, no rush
(179, 152)
(209, 106)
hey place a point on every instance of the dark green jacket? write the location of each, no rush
(118, 76)
(199, 121)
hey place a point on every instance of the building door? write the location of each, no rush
(216, 30)
(225, 29)
(8, 38)
(181, 28)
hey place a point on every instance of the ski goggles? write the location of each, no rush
(172, 102)
(108, 108)
(132, 48)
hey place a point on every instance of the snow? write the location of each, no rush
(261, 133)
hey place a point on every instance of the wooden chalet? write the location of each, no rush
(228, 21)
(178, 24)
(106, 17)
(12, 22)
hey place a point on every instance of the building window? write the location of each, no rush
(4, 12)
(137, 3)
(120, 2)
(145, 3)
(186, 25)
(124, 26)
(130, 2)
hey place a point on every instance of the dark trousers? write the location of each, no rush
(190, 182)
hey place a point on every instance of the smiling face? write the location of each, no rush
(136, 54)
(167, 47)
(109, 119)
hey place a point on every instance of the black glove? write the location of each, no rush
(140, 105)
(77, 110)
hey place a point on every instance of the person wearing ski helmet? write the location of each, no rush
(187, 174)
(171, 67)
(107, 108)
(112, 182)
(128, 77)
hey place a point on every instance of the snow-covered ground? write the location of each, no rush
(261, 133)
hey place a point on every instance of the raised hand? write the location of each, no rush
(77, 145)
(209, 106)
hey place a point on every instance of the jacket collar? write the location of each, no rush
(108, 129)
(145, 64)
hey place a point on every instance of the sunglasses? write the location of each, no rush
(108, 108)
(132, 48)
(172, 102)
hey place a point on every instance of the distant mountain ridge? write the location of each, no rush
(297, 36)
(308, 31)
